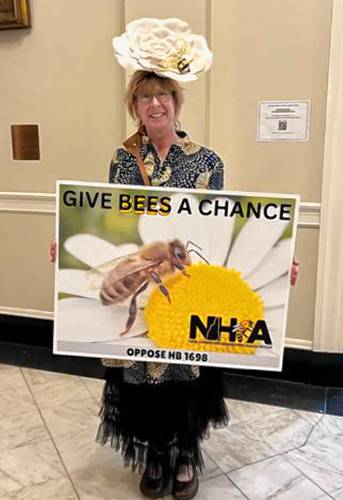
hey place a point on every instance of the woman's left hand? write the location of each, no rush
(294, 271)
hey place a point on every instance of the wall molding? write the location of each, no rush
(28, 203)
(309, 215)
(328, 324)
(45, 203)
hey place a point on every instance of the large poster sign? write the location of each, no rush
(173, 275)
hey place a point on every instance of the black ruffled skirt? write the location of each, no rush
(172, 417)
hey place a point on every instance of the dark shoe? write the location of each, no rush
(185, 490)
(157, 480)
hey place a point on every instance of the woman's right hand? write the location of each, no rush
(52, 251)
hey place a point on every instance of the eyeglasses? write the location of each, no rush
(146, 98)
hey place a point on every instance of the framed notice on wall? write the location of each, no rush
(279, 121)
(173, 275)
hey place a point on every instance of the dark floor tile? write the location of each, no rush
(41, 358)
(334, 401)
(275, 392)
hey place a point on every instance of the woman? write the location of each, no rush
(158, 413)
(155, 413)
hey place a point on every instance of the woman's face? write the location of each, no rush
(155, 107)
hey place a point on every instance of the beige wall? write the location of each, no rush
(269, 50)
(62, 75)
(25, 269)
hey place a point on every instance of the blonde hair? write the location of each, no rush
(148, 80)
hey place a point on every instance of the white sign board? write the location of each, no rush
(173, 275)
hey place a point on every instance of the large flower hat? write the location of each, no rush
(166, 47)
(258, 252)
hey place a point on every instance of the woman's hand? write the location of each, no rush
(52, 251)
(294, 271)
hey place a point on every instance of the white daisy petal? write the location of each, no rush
(94, 251)
(275, 264)
(275, 293)
(77, 282)
(253, 242)
(186, 228)
(85, 320)
(220, 234)
(275, 320)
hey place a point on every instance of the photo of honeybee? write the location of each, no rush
(130, 275)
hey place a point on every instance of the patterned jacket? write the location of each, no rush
(187, 165)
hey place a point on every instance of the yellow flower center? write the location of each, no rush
(208, 291)
(180, 59)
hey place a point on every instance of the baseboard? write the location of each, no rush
(301, 364)
(26, 330)
(26, 313)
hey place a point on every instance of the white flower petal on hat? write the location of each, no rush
(198, 42)
(275, 264)
(180, 77)
(120, 45)
(202, 56)
(143, 25)
(161, 32)
(182, 226)
(177, 25)
(151, 44)
(253, 243)
(85, 320)
(95, 251)
(274, 294)
(77, 282)
(130, 65)
(142, 63)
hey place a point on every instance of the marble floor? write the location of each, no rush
(48, 422)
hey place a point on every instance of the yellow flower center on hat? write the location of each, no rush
(208, 291)
(180, 59)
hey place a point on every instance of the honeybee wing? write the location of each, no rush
(97, 274)
(94, 251)
(75, 282)
(125, 267)
(88, 283)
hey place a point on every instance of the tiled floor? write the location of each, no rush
(47, 451)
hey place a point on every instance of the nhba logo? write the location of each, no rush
(215, 330)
